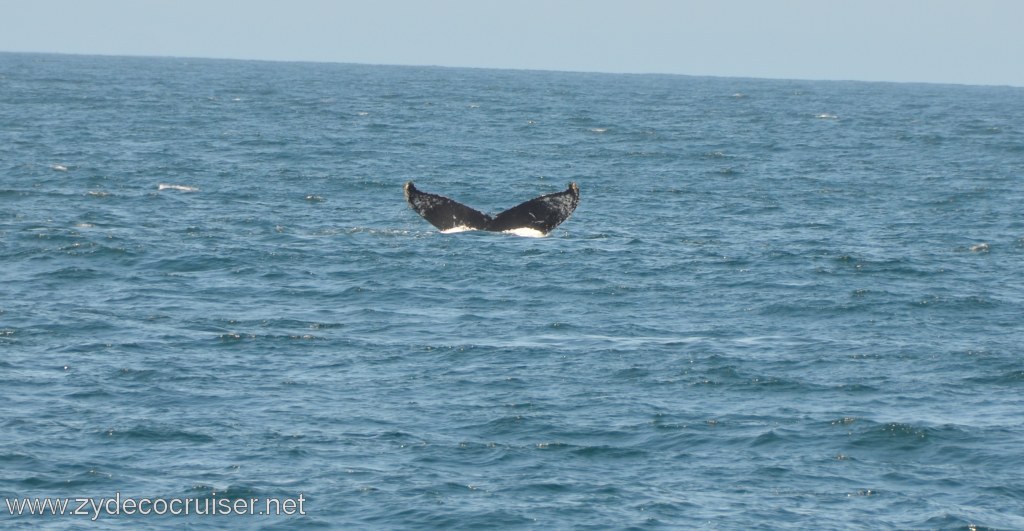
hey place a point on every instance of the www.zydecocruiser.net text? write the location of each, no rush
(96, 508)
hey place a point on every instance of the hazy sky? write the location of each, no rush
(946, 41)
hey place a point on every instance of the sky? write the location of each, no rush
(976, 42)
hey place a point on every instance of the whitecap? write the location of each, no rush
(599, 130)
(178, 187)
(59, 167)
(979, 248)
(827, 116)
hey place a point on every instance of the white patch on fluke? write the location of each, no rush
(525, 232)
(460, 228)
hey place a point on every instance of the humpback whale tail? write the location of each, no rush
(535, 217)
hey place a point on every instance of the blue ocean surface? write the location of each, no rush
(779, 304)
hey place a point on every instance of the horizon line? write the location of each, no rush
(511, 69)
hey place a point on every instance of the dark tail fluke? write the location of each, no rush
(443, 213)
(540, 215)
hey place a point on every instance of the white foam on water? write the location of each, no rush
(178, 187)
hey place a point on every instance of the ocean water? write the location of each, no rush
(780, 304)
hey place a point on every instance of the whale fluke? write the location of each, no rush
(541, 214)
(535, 217)
(443, 213)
